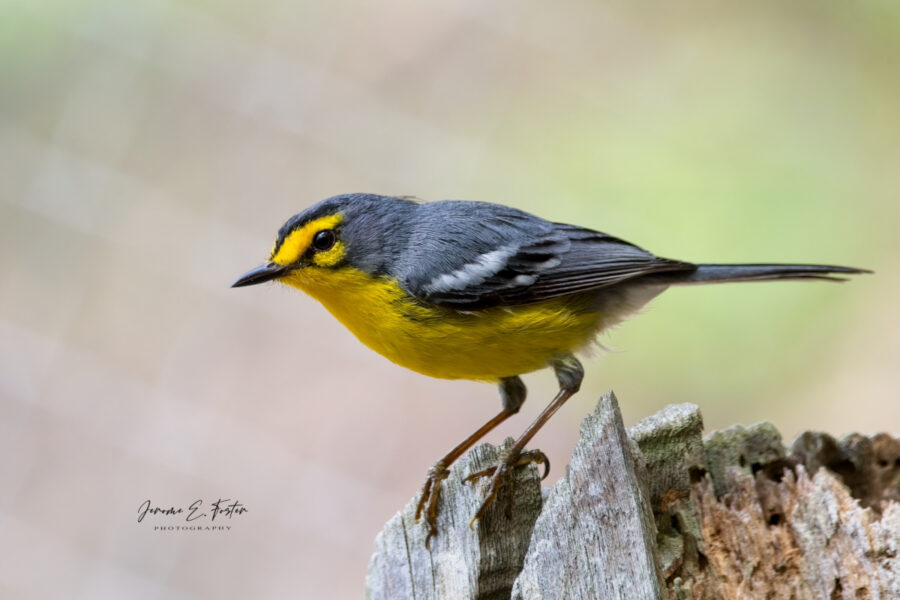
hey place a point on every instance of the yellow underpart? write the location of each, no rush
(480, 345)
(297, 242)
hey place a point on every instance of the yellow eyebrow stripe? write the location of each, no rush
(297, 242)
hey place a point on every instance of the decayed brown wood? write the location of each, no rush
(663, 513)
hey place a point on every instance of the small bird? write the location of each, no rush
(480, 291)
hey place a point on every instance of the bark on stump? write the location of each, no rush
(658, 512)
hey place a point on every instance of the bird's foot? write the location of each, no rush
(502, 474)
(428, 498)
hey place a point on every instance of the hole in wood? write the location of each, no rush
(697, 474)
(676, 524)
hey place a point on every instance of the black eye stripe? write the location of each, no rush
(324, 240)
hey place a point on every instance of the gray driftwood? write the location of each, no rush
(464, 562)
(660, 512)
(602, 495)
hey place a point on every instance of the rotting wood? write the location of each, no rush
(663, 513)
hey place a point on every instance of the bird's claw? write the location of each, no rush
(501, 474)
(428, 498)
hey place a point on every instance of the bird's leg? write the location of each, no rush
(512, 395)
(569, 373)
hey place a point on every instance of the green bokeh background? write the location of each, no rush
(150, 149)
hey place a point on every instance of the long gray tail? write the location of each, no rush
(712, 273)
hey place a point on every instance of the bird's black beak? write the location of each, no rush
(260, 274)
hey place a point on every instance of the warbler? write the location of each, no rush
(479, 291)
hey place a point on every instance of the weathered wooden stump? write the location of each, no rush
(660, 513)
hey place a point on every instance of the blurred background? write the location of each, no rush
(151, 149)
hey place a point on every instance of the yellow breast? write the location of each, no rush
(481, 345)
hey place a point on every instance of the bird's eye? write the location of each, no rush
(324, 240)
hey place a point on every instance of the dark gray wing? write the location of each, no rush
(490, 257)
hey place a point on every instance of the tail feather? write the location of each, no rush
(713, 273)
